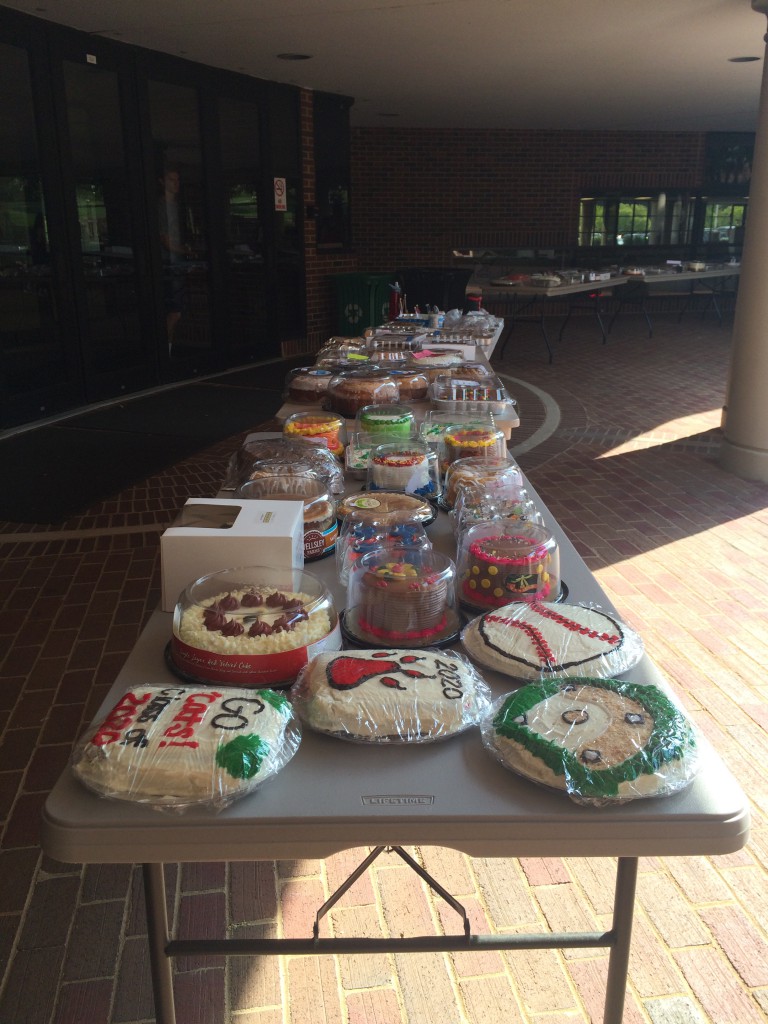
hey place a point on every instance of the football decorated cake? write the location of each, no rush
(390, 696)
(539, 639)
(600, 740)
(182, 746)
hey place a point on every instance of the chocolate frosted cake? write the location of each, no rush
(500, 567)
(401, 601)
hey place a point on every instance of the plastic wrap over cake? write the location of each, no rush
(602, 741)
(390, 696)
(534, 640)
(176, 746)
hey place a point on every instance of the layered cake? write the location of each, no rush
(539, 639)
(403, 470)
(413, 385)
(307, 385)
(600, 740)
(181, 746)
(318, 427)
(393, 420)
(497, 568)
(251, 626)
(350, 391)
(473, 442)
(402, 602)
(385, 696)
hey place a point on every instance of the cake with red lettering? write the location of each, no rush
(386, 696)
(402, 598)
(602, 741)
(539, 639)
(181, 746)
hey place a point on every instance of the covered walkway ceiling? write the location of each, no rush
(600, 64)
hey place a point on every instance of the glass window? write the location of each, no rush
(663, 218)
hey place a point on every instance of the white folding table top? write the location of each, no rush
(336, 795)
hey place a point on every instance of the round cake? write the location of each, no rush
(539, 639)
(406, 470)
(401, 602)
(386, 696)
(381, 503)
(307, 385)
(500, 568)
(394, 421)
(317, 426)
(254, 633)
(412, 384)
(180, 746)
(495, 476)
(473, 442)
(350, 391)
(321, 528)
(600, 740)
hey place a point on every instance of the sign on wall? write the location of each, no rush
(281, 197)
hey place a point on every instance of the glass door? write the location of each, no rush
(103, 186)
(38, 368)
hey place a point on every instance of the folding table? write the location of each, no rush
(334, 796)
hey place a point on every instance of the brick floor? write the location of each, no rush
(679, 545)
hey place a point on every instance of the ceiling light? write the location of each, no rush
(742, 60)
(294, 56)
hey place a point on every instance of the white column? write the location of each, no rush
(745, 417)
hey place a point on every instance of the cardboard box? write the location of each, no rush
(221, 533)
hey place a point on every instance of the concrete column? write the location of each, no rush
(745, 417)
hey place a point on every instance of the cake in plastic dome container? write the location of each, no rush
(320, 522)
(175, 747)
(360, 534)
(351, 390)
(318, 427)
(392, 421)
(476, 506)
(254, 626)
(261, 455)
(468, 441)
(541, 639)
(401, 597)
(413, 383)
(600, 741)
(502, 561)
(501, 477)
(388, 696)
(410, 466)
(306, 385)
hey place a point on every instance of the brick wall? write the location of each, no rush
(418, 194)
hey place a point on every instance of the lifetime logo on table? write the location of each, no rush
(401, 800)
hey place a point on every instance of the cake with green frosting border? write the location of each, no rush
(666, 760)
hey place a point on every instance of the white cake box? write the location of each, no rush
(221, 533)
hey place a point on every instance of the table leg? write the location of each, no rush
(618, 961)
(158, 938)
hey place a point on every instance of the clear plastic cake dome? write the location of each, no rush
(402, 597)
(410, 466)
(360, 534)
(306, 385)
(474, 505)
(468, 441)
(319, 427)
(505, 561)
(320, 519)
(413, 383)
(253, 626)
(391, 421)
(457, 393)
(500, 476)
(350, 390)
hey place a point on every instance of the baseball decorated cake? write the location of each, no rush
(390, 696)
(600, 740)
(182, 746)
(539, 639)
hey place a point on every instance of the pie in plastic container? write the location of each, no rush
(177, 746)
(602, 741)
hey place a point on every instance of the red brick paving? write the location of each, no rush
(679, 545)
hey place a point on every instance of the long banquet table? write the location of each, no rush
(334, 796)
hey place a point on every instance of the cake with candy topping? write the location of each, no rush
(498, 567)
